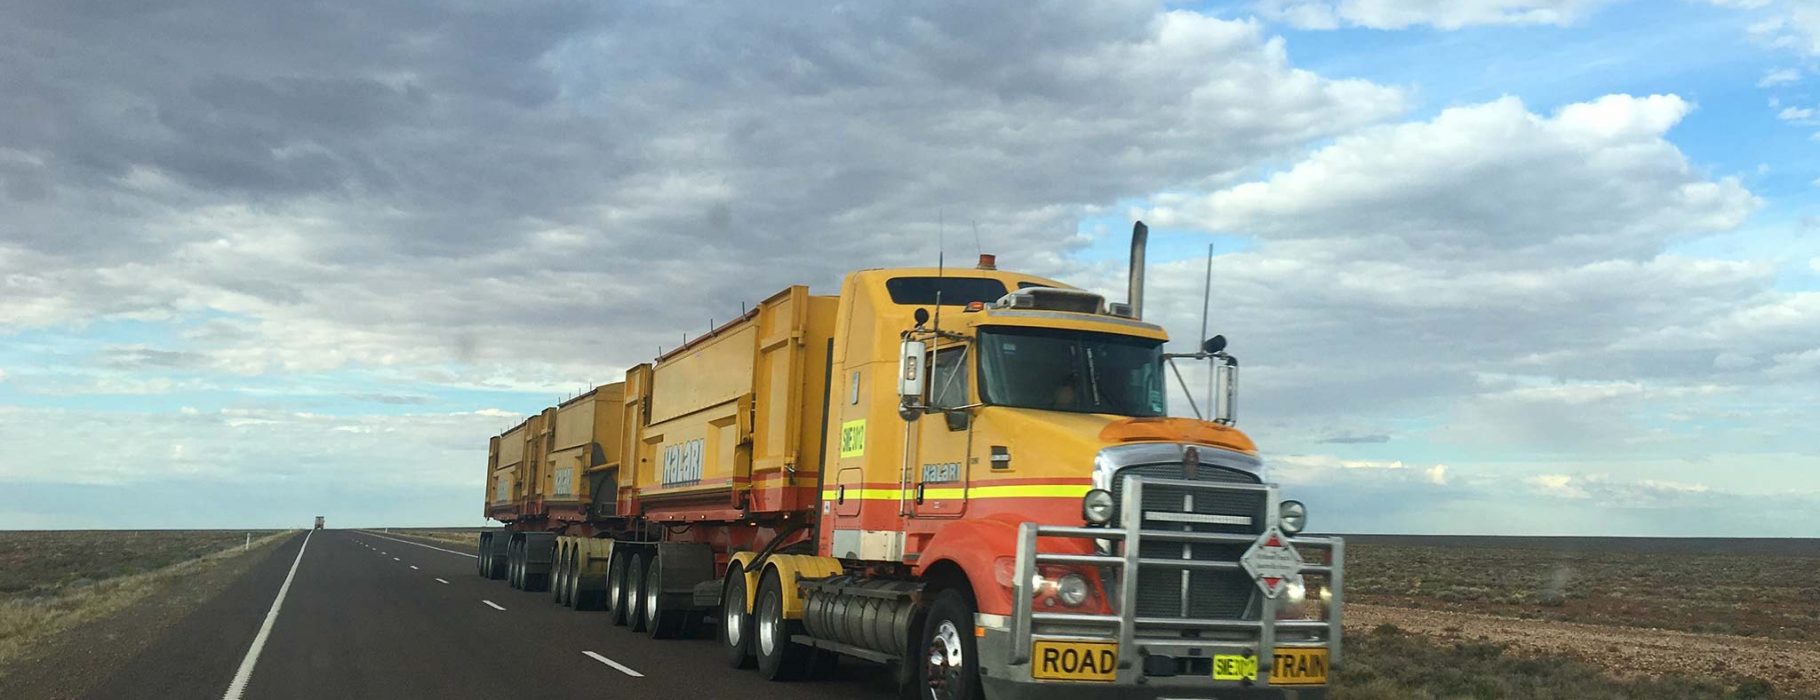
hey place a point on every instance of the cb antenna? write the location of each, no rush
(1206, 303)
(977, 249)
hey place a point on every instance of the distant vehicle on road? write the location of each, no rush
(968, 474)
(319, 522)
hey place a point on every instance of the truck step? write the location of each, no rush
(848, 649)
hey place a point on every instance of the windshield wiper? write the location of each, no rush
(1093, 377)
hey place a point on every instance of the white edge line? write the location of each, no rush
(441, 581)
(425, 546)
(245, 673)
(615, 664)
(494, 605)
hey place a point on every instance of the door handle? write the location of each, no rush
(840, 495)
(919, 493)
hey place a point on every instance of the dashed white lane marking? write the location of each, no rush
(615, 664)
(425, 546)
(414, 568)
(238, 685)
(395, 559)
(492, 604)
(439, 580)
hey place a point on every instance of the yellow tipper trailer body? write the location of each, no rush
(509, 467)
(585, 433)
(729, 427)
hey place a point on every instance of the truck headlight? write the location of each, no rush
(1072, 590)
(1096, 506)
(1292, 516)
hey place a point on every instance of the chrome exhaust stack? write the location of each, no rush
(1134, 280)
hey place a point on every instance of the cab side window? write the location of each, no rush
(948, 378)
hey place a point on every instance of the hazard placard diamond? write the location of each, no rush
(1272, 562)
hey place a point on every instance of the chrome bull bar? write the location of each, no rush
(1025, 622)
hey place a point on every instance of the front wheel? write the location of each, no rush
(950, 659)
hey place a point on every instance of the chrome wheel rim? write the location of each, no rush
(767, 623)
(732, 615)
(946, 662)
(652, 590)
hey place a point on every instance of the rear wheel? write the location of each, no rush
(559, 575)
(512, 560)
(664, 619)
(735, 621)
(616, 587)
(635, 592)
(779, 659)
(578, 566)
(950, 658)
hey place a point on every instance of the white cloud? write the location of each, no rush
(1785, 24)
(1594, 181)
(1436, 474)
(1441, 14)
(540, 202)
(1796, 114)
(1780, 76)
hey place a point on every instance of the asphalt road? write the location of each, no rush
(367, 616)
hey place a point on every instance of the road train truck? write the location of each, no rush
(967, 476)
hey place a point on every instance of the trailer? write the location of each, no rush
(319, 522)
(969, 476)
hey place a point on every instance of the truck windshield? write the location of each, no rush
(1072, 371)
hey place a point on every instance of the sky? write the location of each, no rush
(1492, 266)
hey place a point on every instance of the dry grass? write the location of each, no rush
(1751, 588)
(1389, 664)
(52, 581)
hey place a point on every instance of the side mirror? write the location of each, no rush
(1214, 344)
(910, 370)
(922, 316)
(1226, 392)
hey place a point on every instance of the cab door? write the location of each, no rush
(942, 440)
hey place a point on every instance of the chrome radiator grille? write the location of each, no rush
(1195, 594)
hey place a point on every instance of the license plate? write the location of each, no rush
(1074, 661)
(1292, 667)
(1299, 667)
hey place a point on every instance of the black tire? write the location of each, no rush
(735, 621)
(663, 619)
(577, 598)
(559, 575)
(635, 592)
(616, 586)
(779, 659)
(512, 564)
(480, 560)
(948, 639)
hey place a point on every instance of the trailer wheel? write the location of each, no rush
(480, 562)
(663, 618)
(572, 592)
(735, 621)
(512, 564)
(616, 586)
(949, 657)
(559, 575)
(779, 659)
(635, 592)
